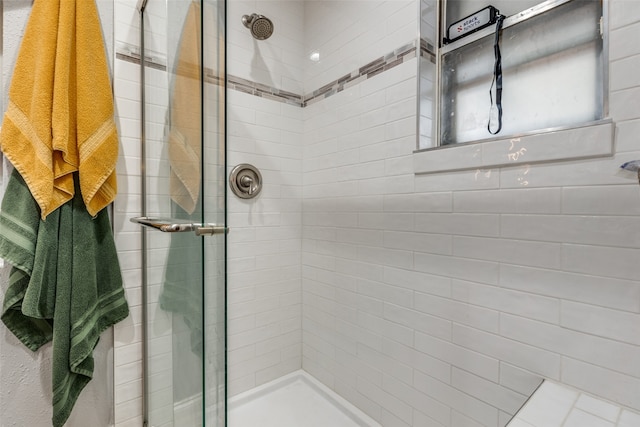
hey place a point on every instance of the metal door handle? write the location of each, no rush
(170, 226)
(210, 229)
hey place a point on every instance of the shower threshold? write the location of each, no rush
(295, 400)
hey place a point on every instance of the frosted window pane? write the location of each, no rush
(552, 76)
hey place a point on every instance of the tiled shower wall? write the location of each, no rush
(265, 313)
(264, 245)
(438, 299)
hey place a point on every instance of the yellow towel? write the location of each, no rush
(185, 126)
(60, 114)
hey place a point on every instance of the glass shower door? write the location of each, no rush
(184, 212)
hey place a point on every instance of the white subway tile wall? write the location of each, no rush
(264, 247)
(274, 62)
(430, 300)
(523, 263)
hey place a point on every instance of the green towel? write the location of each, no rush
(182, 291)
(65, 285)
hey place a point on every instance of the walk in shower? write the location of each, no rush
(425, 288)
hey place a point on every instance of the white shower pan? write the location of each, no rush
(295, 400)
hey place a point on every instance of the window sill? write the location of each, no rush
(588, 141)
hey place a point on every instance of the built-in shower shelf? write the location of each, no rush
(556, 405)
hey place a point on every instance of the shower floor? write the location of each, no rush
(295, 400)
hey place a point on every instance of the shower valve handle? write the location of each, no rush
(247, 182)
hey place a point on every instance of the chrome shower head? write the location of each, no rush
(261, 27)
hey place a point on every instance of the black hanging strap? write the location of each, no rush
(497, 77)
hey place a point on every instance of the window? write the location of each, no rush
(553, 63)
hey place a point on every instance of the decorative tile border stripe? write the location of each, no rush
(131, 53)
(213, 78)
(263, 91)
(135, 59)
(427, 50)
(373, 68)
(152, 62)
